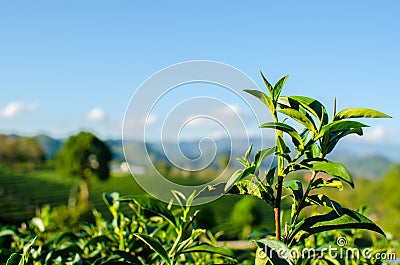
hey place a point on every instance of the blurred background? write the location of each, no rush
(73, 66)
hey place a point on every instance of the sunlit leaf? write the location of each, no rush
(339, 126)
(267, 84)
(322, 183)
(278, 87)
(262, 154)
(151, 205)
(359, 113)
(334, 169)
(296, 187)
(323, 200)
(255, 189)
(299, 117)
(246, 155)
(263, 97)
(313, 106)
(332, 221)
(238, 175)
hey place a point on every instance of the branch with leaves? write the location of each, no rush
(317, 137)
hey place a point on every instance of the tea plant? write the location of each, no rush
(180, 237)
(148, 232)
(307, 150)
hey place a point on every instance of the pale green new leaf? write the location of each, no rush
(152, 205)
(334, 169)
(239, 175)
(267, 84)
(327, 183)
(332, 221)
(299, 117)
(313, 106)
(263, 97)
(262, 154)
(339, 126)
(359, 113)
(278, 87)
(246, 155)
(323, 200)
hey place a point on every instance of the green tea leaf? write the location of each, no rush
(336, 136)
(233, 179)
(223, 251)
(14, 259)
(323, 200)
(359, 113)
(322, 183)
(155, 246)
(267, 84)
(274, 250)
(332, 221)
(278, 87)
(151, 205)
(313, 106)
(246, 155)
(339, 126)
(242, 161)
(296, 187)
(262, 154)
(270, 175)
(263, 97)
(334, 169)
(299, 117)
(283, 150)
(296, 138)
(238, 175)
(252, 188)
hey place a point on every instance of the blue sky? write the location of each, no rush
(73, 65)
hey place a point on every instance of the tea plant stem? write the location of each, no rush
(300, 206)
(277, 209)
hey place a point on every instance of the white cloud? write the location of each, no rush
(96, 115)
(149, 120)
(16, 108)
(225, 115)
(375, 134)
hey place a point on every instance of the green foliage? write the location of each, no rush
(15, 150)
(246, 215)
(150, 232)
(84, 155)
(317, 138)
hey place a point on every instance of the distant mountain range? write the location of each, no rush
(362, 159)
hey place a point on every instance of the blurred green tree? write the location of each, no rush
(84, 156)
(246, 215)
(17, 150)
(390, 207)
